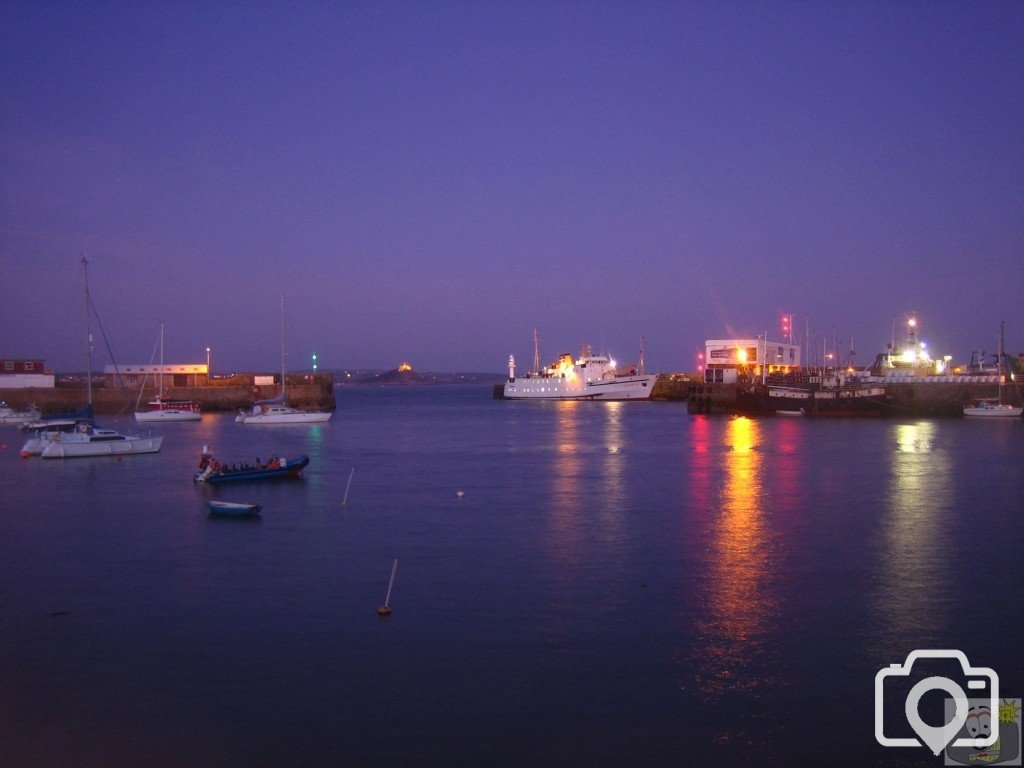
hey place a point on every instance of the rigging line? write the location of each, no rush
(117, 372)
(145, 378)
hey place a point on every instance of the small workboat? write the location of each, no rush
(233, 508)
(214, 471)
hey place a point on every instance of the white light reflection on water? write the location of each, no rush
(916, 568)
(588, 496)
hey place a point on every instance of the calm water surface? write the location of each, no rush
(621, 584)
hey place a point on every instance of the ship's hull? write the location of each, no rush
(550, 388)
(862, 401)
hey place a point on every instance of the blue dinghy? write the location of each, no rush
(233, 508)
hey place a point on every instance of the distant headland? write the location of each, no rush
(405, 375)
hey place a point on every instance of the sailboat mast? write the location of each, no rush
(161, 397)
(88, 335)
(282, 348)
(999, 363)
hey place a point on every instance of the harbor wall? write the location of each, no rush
(918, 397)
(222, 394)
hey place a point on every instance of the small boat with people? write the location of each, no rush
(213, 471)
(233, 508)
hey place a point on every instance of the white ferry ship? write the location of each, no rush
(591, 377)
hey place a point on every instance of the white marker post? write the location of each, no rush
(385, 610)
(344, 501)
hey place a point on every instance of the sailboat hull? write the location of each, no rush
(283, 415)
(993, 410)
(64, 448)
(168, 414)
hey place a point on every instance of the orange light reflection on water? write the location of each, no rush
(738, 604)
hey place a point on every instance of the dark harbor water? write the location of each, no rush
(620, 584)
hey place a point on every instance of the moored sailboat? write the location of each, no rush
(995, 408)
(87, 439)
(168, 410)
(277, 410)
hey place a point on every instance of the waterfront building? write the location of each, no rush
(189, 375)
(24, 374)
(728, 358)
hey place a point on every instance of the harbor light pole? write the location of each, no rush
(207, 365)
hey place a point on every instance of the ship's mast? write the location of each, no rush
(536, 351)
(88, 334)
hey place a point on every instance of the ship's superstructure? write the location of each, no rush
(590, 377)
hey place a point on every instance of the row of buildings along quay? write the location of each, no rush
(753, 376)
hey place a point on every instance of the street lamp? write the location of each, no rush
(207, 363)
(314, 363)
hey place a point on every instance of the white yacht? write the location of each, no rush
(268, 412)
(86, 439)
(277, 411)
(167, 410)
(988, 408)
(89, 440)
(591, 377)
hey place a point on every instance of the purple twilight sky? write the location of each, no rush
(430, 181)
